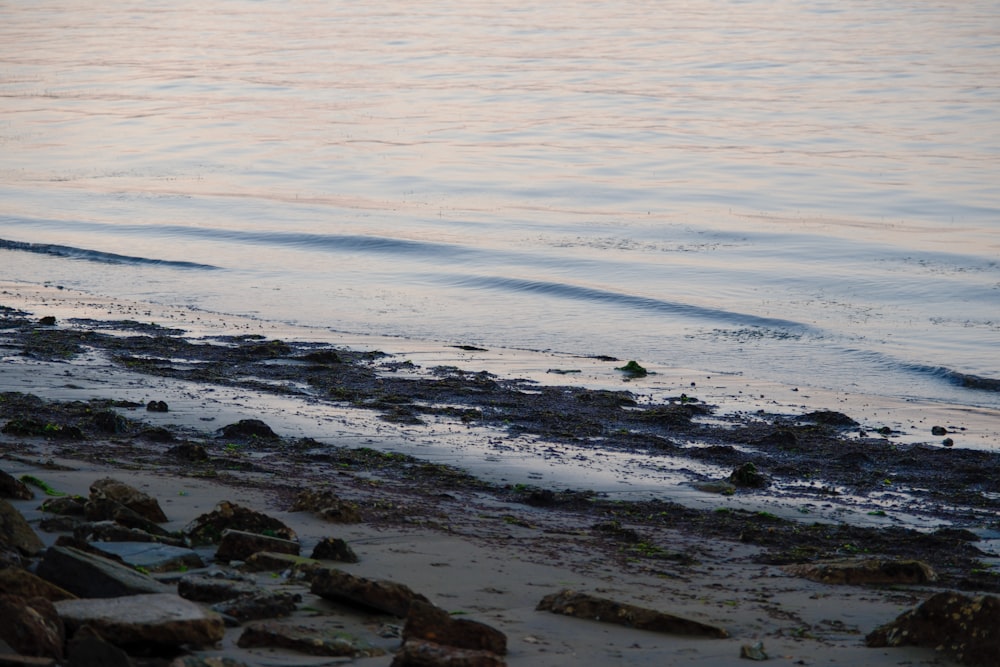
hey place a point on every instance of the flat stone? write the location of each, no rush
(966, 627)
(15, 581)
(152, 556)
(304, 639)
(433, 624)
(91, 576)
(16, 533)
(162, 619)
(377, 594)
(867, 571)
(240, 545)
(584, 605)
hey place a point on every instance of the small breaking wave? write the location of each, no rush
(96, 255)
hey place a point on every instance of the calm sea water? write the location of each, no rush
(801, 191)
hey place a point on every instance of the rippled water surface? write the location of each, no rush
(798, 191)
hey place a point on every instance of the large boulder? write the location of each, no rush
(160, 619)
(91, 576)
(123, 494)
(208, 528)
(377, 594)
(11, 487)
(967, 627)
(433, 624)
(21, 583)
(15, 532)
(31, 626)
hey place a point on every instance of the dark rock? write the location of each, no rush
(110, 422)
(11, 487)
(88, 649)
(247, 429)
(260, 605)
(429, 623)
(69, 505)
(321, 357)
(137, 501)
(15, 532)
(31, 626)
(967, 627)
(829, 418)
(327, 504)
(205, 661)
(189, 451)
(332, 548)
(304, 639)
(160, 620)
(747, 476)
(240, 545)
(24, 584)
(156, 434)
(91, 576)
(583, 605)
(157, 406)
(207, 528)
(267, 561)
(104, 509)
(378, 594)
(783, 438)
(47, 321)
(864, 572)
(110, 531)
(151, 556)
(418, 653)
(939, 430)
(207, 588)
(948, 442)
(60, 524)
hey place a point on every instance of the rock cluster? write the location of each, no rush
(121, 585)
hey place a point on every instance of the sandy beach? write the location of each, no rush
(475, 544)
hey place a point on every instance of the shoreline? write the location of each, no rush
(723, 562)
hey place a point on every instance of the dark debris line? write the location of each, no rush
(813, 447)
